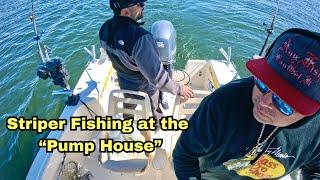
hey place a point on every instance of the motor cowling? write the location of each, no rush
(165, 36)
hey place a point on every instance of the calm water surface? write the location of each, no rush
(203, 26)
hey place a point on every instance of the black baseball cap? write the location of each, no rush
(117, 5)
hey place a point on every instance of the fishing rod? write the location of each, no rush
(37, 35)
(52, 68)
(269, 29)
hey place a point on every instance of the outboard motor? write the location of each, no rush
(165, 36)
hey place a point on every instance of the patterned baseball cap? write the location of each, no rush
(291, 69)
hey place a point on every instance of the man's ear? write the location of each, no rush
(125, 12)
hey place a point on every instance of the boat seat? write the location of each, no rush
(117, 98)
(123, 162)
(187, 108)
(127, 166)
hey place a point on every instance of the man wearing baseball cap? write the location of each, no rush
(134, 54)
(261, 127)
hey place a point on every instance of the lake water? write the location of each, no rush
(203, 26)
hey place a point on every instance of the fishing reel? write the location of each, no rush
(268, 29)
(54, 70)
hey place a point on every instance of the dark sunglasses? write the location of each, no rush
(141, 4)
(283, 107)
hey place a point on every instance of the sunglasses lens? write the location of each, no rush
(282, 106)
(262, 87)
(141, 4)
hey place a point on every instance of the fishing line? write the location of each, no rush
(184, 77)
(89, 109)
(189, 79)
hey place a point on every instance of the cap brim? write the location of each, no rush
(138, 1)
(298, 101)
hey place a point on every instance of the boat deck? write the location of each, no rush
(95, 85)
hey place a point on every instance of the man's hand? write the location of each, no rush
(186, 92)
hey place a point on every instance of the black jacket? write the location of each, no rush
(224, 128)
(135, 57)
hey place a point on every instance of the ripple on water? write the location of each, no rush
(202, 28)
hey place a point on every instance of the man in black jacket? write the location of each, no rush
(261, 127)
(134, 54)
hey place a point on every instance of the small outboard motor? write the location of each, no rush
(165, 36)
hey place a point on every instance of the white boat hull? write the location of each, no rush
(94, 87)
